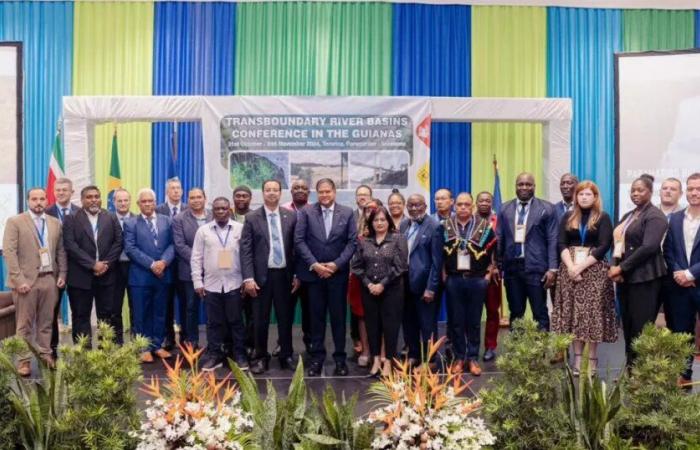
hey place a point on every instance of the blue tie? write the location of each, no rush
(521, 221)
(277, 253)
(154, 232)
(327, 221)
(174, 211)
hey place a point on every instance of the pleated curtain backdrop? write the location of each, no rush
(113, 55)
(198, 39)
(697, 29)
(645, 30)
(580, 65)
(509, 59)
(46, 32)
(431, 57)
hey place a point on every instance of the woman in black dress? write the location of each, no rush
(638, 263)
(585, 297)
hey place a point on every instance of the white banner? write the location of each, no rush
(383, 142)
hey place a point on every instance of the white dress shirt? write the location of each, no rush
(690, 229)
(93, 223)
(205, 257)
(270, 260)
(122, 219)
(527, 213)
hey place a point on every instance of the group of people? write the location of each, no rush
(390, 265)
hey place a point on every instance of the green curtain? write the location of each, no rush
(113, 55)
(651, 29)
(313, 49)
(509, 59)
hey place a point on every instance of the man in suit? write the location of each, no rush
(567, 186)
(527, 248)
(324, 241)
(443, 204)
(62, 192)
(682, 254)
(92, 238)
(172, 207)
(424, 273)
(122, 204)
(363, 195)
(148, 240)
(670, 196)
(36, 269)
(267, 266)
(185, 226)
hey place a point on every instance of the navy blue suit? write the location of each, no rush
(149, 293)
(326, 295)
(424, 273)
(522, 276)
(684, 303)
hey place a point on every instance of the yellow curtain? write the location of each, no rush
(113, 55)
(509, 59)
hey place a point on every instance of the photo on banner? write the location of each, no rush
(382, 142)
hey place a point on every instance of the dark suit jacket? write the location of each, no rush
(643, 260)
(185, 226)
(139, 245)
(425, 256)
(164, 209)
(312, 246)
(255, 243)
(53, 210)
(79, 242)
(129, 216)
(541, 237)
(674, 247)
(560, 210)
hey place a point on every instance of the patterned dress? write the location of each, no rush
(586, 308)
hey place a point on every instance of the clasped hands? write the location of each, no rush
(100, 268)
(325, 270)
(575, 272)
(682, 280)
(158, 268)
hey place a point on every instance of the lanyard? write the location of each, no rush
(470, 230)
(41, 233)
(582, 231)
(629, 221)
(415, 230)
(225, 240)
(60, 214)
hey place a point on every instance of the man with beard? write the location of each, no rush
(93, 241)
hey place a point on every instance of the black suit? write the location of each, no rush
(275, 284)
(120, 288)
(53, 211)
(177, 287)
(83, 251)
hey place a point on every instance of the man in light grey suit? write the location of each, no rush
(185, 226)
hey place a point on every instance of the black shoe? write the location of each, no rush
(168, 345)
(276, 351)
(341, 369)
(489, 354)
(315, 369)
(210, 365)
(260, 366)
(288, 363)
(242, 363)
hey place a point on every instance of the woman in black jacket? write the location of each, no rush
(639, 266)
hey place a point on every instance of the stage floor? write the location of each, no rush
(611, 357)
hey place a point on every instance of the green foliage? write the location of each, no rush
(294, 423)
(656, 413)
(10, 420)
(591, 408)
(88, 402)
(523, 408)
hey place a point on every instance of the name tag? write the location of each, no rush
(580, 254)
(617, 249)
(225, 260)
(45, 258)
(519, 234)
(464, 260)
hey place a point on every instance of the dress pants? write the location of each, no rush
(493, 316)
(302, 294)
(120, 288)
(225, 331)
(521, 286)
(328, 296)
(189, 313)
(174, 300)
(34, 313)
(149, 304)
(277, 291)
(54, 324)
(639, 305)
(81, 307)
(383, 314)
(420, 319)
(465, 302)
(686, 306)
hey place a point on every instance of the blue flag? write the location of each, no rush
(172, 163)
(496, 188)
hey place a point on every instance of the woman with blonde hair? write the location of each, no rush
(585, 298)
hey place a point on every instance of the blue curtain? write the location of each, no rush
(46, 32)
(431, 56)
(580, 65)
(193, 55)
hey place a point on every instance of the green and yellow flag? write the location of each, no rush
(115, 176)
